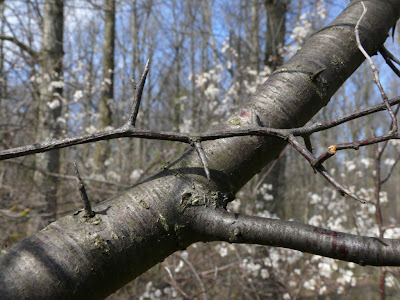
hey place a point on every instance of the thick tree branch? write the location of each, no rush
(220, 225)
(88, 258)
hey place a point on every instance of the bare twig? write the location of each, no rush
(320, 169)
(391, 170)
(267, 173)
(387, 56)
(331, 152)
(89, 213)
(370, 141)
(307, 130)
(174, 284)
(384, 228)
(124, 131)
(138, 91)
(375, 71)
(196, 275)
(200, 151)
(21, 45)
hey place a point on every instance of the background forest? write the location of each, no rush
(206, 57)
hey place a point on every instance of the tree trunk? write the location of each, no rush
(276, 18)
(254, 58)
(102, 151)
(88, 258)
(49, 106)
(275, 39)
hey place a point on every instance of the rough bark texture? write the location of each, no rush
(50, 103)
(83, 258)
(275, 39)
(102, 150)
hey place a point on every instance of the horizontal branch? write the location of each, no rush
(220, 225)
(369, 141)
(132, 132)
(187, 138)
(349, 117)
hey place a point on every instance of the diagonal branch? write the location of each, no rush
(224, 226)
(138, 96)
(389, 60)
(21, 45)
(203, 158)
(375, 71)
(320, 169)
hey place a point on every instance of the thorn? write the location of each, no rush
(89, 213)
(307, 142)
(316, 73)
(203, 158)
(138, 92)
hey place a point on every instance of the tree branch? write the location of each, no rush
(375, 71)
(220, 225)
(21, 45)
(138, 92)
(187, 138)
(86, 258)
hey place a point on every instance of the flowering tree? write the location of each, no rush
(91, 253)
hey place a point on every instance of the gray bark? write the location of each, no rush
(275, 39)
(83, 258)
(50, 104)
(102, 150)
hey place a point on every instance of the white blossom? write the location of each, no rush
(54, 104)
(264, 273)
(61, 120)
(367, 162)
(389, 161)
(316, 220)
(56, 84)
(91, 129)
(78, 95)
(310, 284)
(113, 176)
(286, 296)
(350, 165)
(234, 206)
(135, 175)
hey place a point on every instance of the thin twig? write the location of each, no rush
(375, 71)
(89, 213)
(322, 158)
(389, 55)
(385, 54)
(266, 175)
(307, 130)
(138, 91)
(391, 170)
(196, 275)
(370, 141)
(320, 169)
(174, 284)
(203, 158)
(125, 131)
